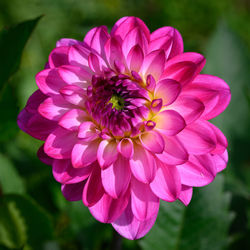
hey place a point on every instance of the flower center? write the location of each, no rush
(117, 102)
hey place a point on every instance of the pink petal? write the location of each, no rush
(73, 119)
(74, 94)
(220, 161)
(142, 164)
(144, 203)
(84, 153)
(186, 194)
(75, 75)
(174, 152)
(201, 135)
(49, 81)
(212, 91)
(152, 141)
(87, 131)
(34, 101)
(97, 64)
(167, 182)
(59, 143)
(126, 148)
(169, 122)
(161, 35)
(126, 24)
(107, 153)
(199, 171)
(135, 58)
(116, 177)
(53, 108)
(44, 158)
(184, 67)
(131, 228)
(153, 64)
(64, 172)
(73, 192)
(107, 209)
(96, 39)
(190, 107)
(67, 42)
(58, 57)
(93, 190)
(168, 90)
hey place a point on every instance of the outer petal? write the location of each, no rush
(107, 153)
(198, 171)
(184, 67)
(44, 157)
(220, 161)
(168, 90)
(84, 153)
(116, 177)
(64, 173)
(169, 39)
(144, 203)
(125, 24)
(142, 164)
(60, 143)
(131, 228)
(198, 138)
(67, 42)
(174, 152)
(190, 107)
(34, 101)
(107, 209)
(186, 194)
(58, 57)
(212, 91)
(167, 182)
(169, 122)
(73, 192)
(126, 148)
(93, 190)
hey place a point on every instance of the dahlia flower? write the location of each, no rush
(124, 116)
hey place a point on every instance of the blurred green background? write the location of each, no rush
(34, 214)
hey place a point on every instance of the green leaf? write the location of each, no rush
(202, 225)
(10, 181)
(12, 42)
(12, 225)
(38, 224)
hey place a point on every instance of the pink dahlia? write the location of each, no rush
(124, 116)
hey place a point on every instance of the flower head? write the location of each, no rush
(124, 119)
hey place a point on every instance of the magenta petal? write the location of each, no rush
(169, 122)
(84, 153)
(169, 39)
(34, 101)
(97, 64)
(212, 91)
(93, 190)
(67, 42)
(153, 64)
(58, 57)
(174, 152)
(186, 194)
(168, 90)
(116, 177)
(64, 172)
(126, 24)
(184, 67)
(49, 81)
(107, 153)
(142, 164)
(78, 56)
(199, 171)
(87, 131)
(152, 141)
(73, 192)
(201, 135)
(59, 143)
(220, 161)
(107, 209)
(144, 203)
(135, 58)
(53, 108)
(190, 107)
(44, 157)
(73, 119)
(126, 148)
(131, 228)
(167, 182)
